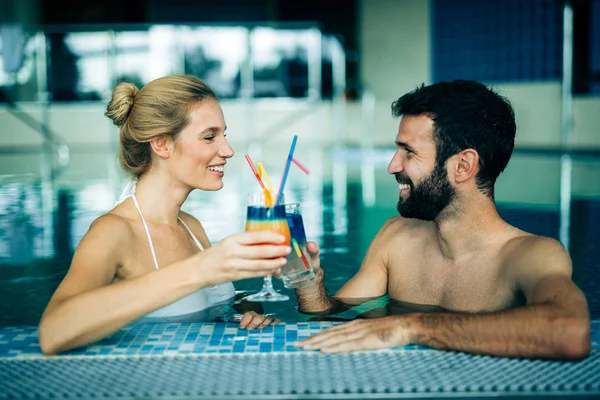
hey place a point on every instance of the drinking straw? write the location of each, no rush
(262, 172)
(268, 198)
(300, 254)
(287, 169)
(255, 172)
(270, 193)
(302, 167)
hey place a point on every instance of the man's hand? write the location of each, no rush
(363, 334)
(313, 297)
(315, 260)
(314, 252)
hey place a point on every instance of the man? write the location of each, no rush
(509, 292)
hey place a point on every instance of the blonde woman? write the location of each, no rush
(146, 259)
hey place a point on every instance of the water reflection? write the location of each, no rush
(22, 236)
(372, 307)
(343, 226)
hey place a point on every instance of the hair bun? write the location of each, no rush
(120, 105)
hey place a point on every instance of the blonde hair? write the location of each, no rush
(160, 108)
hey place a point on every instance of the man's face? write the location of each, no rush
(425, 190)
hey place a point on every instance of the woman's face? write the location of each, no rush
(201, 149)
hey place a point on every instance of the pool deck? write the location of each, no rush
(218, 360)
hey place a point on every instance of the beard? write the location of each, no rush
(427, 200)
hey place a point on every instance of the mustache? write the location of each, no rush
(403, 179)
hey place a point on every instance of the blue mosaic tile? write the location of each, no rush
(196, 338)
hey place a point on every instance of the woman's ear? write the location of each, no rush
(161, 146)
(467, 165)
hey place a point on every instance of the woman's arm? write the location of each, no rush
(87, 306)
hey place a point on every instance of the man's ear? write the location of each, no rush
(161, 145)
(467, 165)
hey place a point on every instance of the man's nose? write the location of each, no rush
(396, 164)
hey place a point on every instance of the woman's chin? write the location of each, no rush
(210, 188)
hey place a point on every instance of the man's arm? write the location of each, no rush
(369, 282)
(554, 324)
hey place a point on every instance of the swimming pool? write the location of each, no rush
(345, 201)
(343, 207)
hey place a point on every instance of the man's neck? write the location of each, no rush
(466, 227)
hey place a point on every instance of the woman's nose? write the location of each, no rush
(226, 151)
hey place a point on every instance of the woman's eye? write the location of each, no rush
(209, 138)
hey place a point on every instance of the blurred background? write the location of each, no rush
(326, 71)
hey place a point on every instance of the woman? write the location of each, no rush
(146, 259)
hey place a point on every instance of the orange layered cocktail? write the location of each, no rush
(281, 218)
(260, 218)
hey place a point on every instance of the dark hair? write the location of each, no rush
(466, 114)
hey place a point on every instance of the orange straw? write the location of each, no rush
(255, 173)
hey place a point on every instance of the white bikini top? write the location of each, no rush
(194, 238)
(206, 304)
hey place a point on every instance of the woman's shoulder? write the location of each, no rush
(196, 228)
(113, 226)
(109, 237)
(190, 220)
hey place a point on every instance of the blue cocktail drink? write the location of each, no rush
(298, 271)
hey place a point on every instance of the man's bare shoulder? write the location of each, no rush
(530, 253)
(528, 245)
(399, 226)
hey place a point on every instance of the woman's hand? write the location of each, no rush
(241, 256)
(251, 320)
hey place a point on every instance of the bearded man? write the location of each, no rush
(473, 282)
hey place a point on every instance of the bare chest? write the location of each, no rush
(474, 285)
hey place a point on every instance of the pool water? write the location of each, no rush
(34, 258)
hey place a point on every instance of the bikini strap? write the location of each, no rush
(194, 238)
(137, 205)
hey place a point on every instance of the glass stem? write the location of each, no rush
(268, 284)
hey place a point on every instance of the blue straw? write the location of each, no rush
(287, 169)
